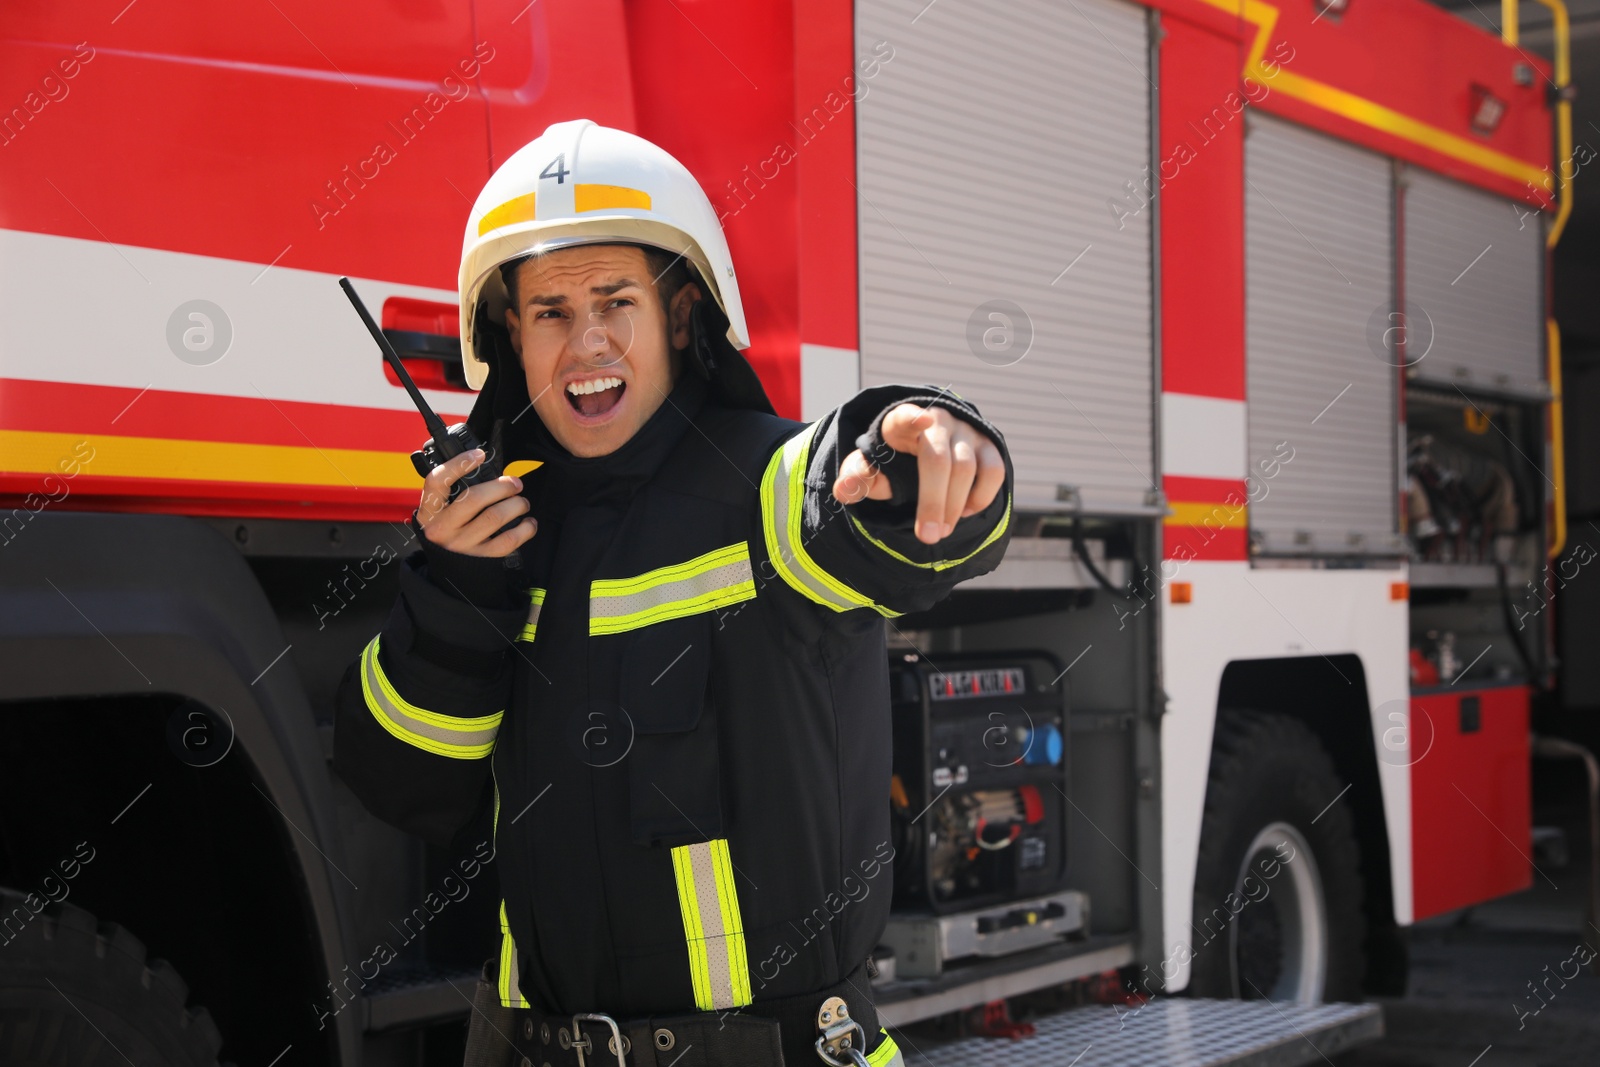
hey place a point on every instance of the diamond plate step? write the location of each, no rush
(1173, 1032)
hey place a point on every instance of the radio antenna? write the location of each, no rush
(436, 426)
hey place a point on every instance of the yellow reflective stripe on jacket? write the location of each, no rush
(443, 735)
(782, 506)
(942, 564)
(718, 966)
(509, 989)
(886, 1054)
(535, 604)
(705, 583)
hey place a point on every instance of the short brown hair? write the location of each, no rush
(670, 270)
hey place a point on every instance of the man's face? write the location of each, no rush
(599, 350)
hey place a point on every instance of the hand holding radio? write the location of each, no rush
(467, 505)
(485, 517)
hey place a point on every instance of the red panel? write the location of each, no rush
(563, 59)
(420, 316)
(1471, 808)
(1184, 487)
(334, 40)
(174, 496)
(829, 76)
(725, 123)
(62, 407)
(1201, 542)
(1208, 16)
(1410, 57)
(1206, 536)
(288, 132)
(1201, 182)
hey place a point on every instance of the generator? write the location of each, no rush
(979, 792)
(978, 802)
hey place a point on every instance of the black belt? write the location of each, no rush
(769, 1033)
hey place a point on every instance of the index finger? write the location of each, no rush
(933, 478)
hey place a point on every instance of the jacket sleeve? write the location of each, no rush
(417, 714)
(866, 555)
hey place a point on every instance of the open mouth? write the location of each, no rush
(594, 397)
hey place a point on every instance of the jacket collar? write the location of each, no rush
(572, 480)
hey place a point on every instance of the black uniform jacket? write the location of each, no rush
(677, 709)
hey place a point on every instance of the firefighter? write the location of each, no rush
(654, 668)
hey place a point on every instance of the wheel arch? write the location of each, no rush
(99, 607)
(1328, 694)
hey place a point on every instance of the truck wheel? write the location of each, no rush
(1278, 891)
(74, 991)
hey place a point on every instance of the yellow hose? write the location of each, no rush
(1564, 174)
(1558, 456)
(1565, 167)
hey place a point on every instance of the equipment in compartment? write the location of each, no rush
(1457, 502)
(1475, 505)
(980, 776)
(1466, 494)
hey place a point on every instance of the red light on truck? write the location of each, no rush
(427, 334)
(1487, 111)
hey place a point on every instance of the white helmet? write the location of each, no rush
(582, 183)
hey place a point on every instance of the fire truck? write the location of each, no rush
(1256, 289)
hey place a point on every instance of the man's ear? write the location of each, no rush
(678, 315)
(514, 328)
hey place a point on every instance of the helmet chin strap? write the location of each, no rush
(504, 396)
(700, 354)
(733, 381)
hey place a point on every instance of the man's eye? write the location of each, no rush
(549, 312)
(620, 302)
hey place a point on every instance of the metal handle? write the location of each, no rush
(582, 1044)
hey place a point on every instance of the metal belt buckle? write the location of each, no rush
(582, 1043)
(833, 1019)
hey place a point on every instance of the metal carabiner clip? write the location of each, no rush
(833, 1019)
(856, 1059)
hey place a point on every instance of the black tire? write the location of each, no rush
(1255, 927)
(75, 991)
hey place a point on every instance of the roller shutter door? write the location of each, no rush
(1475, 275)
(995, 153)
(1318, 273)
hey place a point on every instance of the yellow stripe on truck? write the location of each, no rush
(37, 452)
(1264, 17)
(1218, 515)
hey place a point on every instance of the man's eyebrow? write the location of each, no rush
(598, 290)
